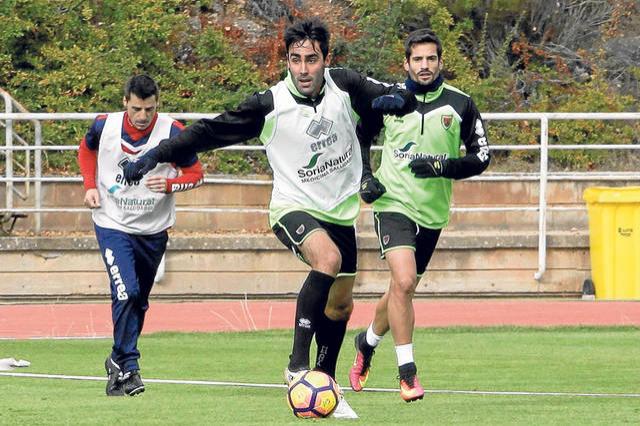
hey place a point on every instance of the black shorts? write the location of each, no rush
(294, 227)
(396, 230)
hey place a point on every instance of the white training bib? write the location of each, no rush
(314, 153)
(131, 208)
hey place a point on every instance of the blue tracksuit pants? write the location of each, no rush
(131, 262)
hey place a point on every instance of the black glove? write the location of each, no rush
(371, 189)
(388, 104)
(428, 167)
(135, 170)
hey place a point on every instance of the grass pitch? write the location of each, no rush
(551, 367)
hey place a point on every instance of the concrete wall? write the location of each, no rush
(508, 193)
(233, 254)
(221, 265)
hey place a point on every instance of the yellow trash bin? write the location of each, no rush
(614, 239)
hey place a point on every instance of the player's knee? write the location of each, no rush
(330, 262)
(405, 286)
(339, 311)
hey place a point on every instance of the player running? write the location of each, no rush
(131, 220)
(420, 157)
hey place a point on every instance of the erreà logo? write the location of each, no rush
(318, 128)
(123, 162)
(313, 161)
(108, 255)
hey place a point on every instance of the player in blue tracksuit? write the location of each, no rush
(131, 220)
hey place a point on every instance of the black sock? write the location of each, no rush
(408, 370)
(364, 347)
(310, 305)
(329, 337)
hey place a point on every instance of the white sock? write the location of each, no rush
(404, 353)
(372, 338)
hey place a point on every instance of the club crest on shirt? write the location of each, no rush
(446, 121)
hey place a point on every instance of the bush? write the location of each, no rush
(61, 57)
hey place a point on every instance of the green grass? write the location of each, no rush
(577, 360)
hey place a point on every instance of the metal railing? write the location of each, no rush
(542, 176)
(11, 135)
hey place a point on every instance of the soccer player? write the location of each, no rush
(131, 219)
(420, 157)
(307, 122)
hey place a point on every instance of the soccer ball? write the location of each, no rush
(313, 394)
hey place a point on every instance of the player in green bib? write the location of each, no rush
(411, 195)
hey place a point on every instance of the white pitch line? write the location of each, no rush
(282, 386)
(524, 393)
(167, 381)
(96, 337)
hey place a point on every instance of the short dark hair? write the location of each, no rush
(423, 35)
(142, 86)
(313, 29)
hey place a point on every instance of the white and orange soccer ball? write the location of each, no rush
(313, 394)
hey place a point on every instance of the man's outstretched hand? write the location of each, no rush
(135, 170)
(393, 104)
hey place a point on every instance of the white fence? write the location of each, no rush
(542, 176)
